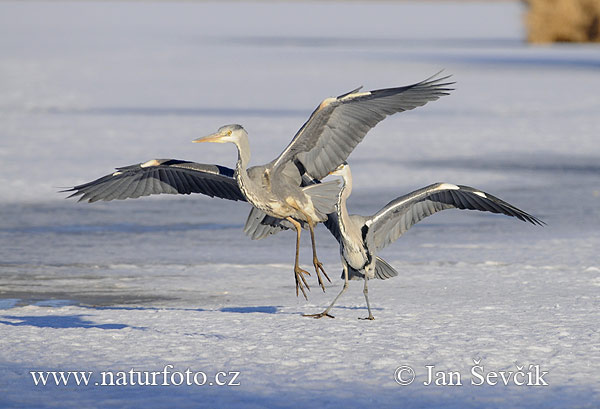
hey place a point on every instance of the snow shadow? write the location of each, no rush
(546, 163)
(8, 303)
(358, 308)
(381, 42)
(58, 321)
(59, 299)
(265, 309)
(118, 228)
(346, 395)
(523, 60)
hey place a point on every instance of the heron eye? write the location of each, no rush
(229, 132)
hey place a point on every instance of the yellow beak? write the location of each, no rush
(215, 137)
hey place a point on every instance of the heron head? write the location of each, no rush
(341, 170)
(227, 133)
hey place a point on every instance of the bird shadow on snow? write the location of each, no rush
(264, 309)
(345, 307)
(58, 321)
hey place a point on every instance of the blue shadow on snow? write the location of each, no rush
(265, 309)
(58, 321)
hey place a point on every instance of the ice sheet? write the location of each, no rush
(86, 87)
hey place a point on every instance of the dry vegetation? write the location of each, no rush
(563, 21)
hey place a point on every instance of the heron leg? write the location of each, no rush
(366, 293)
(318, 265)
(299, 273)
(326, 312)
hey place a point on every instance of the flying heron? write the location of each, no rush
(362, 237)
(284, 187)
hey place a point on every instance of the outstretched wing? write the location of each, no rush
(402, 213)
(158, 176)
(339, 124)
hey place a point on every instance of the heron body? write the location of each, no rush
(354, 248)
(257, 185)
(284, 188)
(277, 191)
(362, 237)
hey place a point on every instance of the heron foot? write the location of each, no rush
(301, 281)
(319, 315)
(370, 318)
(319, 268)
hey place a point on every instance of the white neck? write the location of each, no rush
(241, 175)
(243, 148)
(344, 194)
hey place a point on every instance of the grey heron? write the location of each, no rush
(282, 188)
(361, 237)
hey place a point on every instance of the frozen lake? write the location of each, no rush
(142, 284)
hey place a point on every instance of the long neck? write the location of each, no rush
(242, 177)
(243, 148)
(344, 194)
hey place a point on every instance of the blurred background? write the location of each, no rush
(574, 21)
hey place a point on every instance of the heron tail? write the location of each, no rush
(260, 225)
(383, 270)
(324, 197)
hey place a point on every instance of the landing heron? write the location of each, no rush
(362, 237)
(282, 188)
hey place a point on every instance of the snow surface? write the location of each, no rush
(86, 87)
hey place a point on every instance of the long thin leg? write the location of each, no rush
(344, 288)
(318, 265)
(366, 293)
(298, 272)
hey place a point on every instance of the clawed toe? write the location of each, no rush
(301, 281)
(319, 269)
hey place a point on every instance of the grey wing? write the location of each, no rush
(158, 176)
(339, 124)
(402, 213)
(260, 225)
